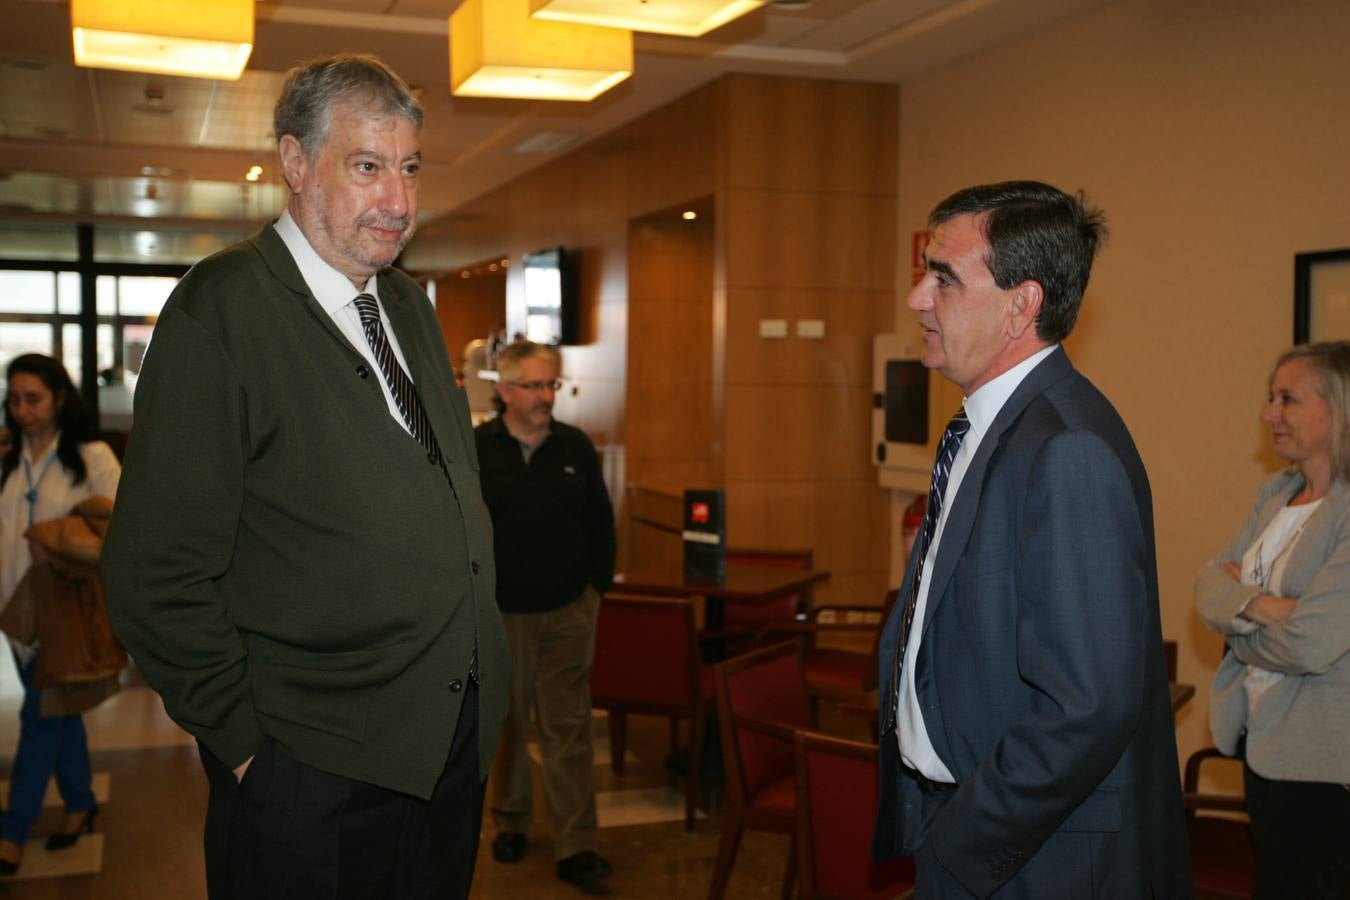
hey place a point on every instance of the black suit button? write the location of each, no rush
(473, 567)
(363, 372)
(456, 686)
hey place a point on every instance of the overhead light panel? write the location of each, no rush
(198, 38)
(689, 18)
(497, 50)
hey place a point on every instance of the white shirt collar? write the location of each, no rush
(983, 405)
(330, 287)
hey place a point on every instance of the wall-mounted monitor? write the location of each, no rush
(551, 297)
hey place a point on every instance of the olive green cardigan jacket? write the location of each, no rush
(283, 560)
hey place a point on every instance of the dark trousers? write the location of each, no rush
(290, 831)
(1302, 835)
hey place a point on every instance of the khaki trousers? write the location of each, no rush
(552, 679)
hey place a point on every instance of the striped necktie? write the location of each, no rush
(410, 405)
(942, 469)
(400, 385)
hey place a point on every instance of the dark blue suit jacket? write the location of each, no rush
(1040, 672)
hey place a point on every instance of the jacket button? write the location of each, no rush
(473, 567)
(362, 372)
(456, 686)
(431, 457)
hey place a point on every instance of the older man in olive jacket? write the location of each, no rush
(300, 560)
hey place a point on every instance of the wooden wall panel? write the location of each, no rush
(810, 135)
(468, 308)
(843, 356)
(846, 523)
(807, 206)
(670, 427)
(808, 239)
(798, 432)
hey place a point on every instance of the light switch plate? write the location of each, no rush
(773, 328)
(810, 328)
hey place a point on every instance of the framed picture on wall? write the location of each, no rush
(1322, 296)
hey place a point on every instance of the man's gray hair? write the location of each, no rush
(513, 354)
(313, 88)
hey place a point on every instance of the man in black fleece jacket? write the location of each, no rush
(553, 531)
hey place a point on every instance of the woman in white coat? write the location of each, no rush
(1280, 594)
(47, 470)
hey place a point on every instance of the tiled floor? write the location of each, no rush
(152, 794)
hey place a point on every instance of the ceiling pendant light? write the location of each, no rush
(198, 38)
(689, 18)
(497, 50)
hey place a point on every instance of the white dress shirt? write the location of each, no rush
(982, 407)
(336, 295)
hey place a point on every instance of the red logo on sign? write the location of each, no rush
(700, 513)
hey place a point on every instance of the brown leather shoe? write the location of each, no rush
(11, 854)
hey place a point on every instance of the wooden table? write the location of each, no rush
(743, 584)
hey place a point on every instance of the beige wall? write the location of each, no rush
(1216, 137)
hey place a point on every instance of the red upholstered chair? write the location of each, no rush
(647, 663)
(836, 810)
(844, 676)
(1223, 858)
(761, 703)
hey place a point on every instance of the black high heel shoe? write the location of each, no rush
(63, 839)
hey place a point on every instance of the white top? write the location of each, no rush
(335, 294)
(1263, 565)
(57, 495)
(982, 407)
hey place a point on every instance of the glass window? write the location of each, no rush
(72, 354)
(105, 288)
(105, 356)
(142, 295)
(17, 338)
(68, 293)
(27, 292)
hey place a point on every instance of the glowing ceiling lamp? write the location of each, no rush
(689, 18)
(497, 50)
(199, 38)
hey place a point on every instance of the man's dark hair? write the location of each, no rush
(1035, 232)
(312, 89)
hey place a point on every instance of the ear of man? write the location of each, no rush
(1023, 309)
(294, 162)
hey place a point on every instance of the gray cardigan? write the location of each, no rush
(1302, 732)
(283, 559)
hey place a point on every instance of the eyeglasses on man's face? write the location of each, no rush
(535, 387)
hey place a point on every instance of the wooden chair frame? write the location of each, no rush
(740, 814)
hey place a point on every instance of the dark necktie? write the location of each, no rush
(409, 404)
(404, 391)
(942, 469)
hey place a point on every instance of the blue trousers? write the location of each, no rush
(46, 745)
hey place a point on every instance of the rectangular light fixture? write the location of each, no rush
(497, 50)
(198, 38)
(689, 18)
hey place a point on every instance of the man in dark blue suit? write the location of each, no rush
(1027, 748)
